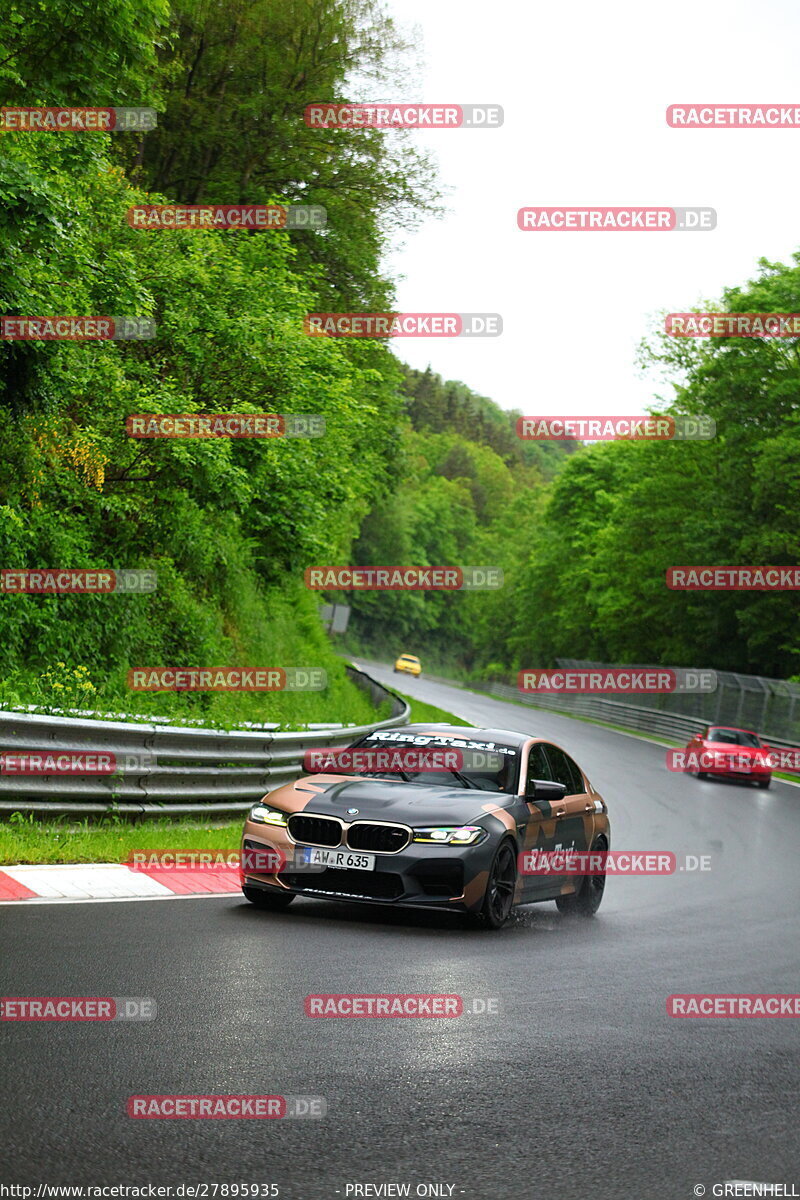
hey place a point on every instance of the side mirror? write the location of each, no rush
(546, 789)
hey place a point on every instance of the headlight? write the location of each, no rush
(263, 814)
(451, 835)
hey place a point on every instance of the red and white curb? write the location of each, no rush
(112, 881)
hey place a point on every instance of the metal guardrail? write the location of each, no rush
(600, 708)
(675, 726)
(186, 770)
(770, 706)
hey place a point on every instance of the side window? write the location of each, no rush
(538, 766)
(578, 785)
(565, 771)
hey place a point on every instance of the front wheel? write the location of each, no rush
(275, 901)
(500, 887)
(586, 901)
(764, 783)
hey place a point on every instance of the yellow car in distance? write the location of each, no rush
(408, 663)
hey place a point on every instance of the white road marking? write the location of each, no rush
(86, 881)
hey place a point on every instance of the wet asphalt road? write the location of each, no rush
(580, 1086)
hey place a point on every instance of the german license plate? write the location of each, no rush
(346, 860)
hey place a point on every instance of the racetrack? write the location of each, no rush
(581, 1086)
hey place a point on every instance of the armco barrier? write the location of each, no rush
(676, 727)
(600, 708)
(192, 770)
(770, 706)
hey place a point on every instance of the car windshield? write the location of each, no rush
(733, 737)
(444, 759)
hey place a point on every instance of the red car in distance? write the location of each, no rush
(728, 753)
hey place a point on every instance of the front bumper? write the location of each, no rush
(755, 773)
(422, 875)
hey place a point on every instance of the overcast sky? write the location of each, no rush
(585, 86)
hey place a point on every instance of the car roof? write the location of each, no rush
(507, 736)
(732, 728)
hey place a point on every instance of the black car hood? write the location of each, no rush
(407, 803)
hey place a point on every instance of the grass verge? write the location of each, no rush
(421, 712)
(24, 839)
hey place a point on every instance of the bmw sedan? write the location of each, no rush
(429, 816)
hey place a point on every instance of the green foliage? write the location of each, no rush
(585, 549)
(437, 407)
(411, 469)
(70, 52)
(237, 79)
(227, 525)
(620, 515)
(463, 483)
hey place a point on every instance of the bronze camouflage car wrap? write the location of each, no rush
(378, 816)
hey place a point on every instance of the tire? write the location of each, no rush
(498, 898)
(263, 899)
(586, 901)
(764, 783)
(702, 775)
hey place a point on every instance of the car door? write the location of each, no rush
(542, 819)
(575, 822)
